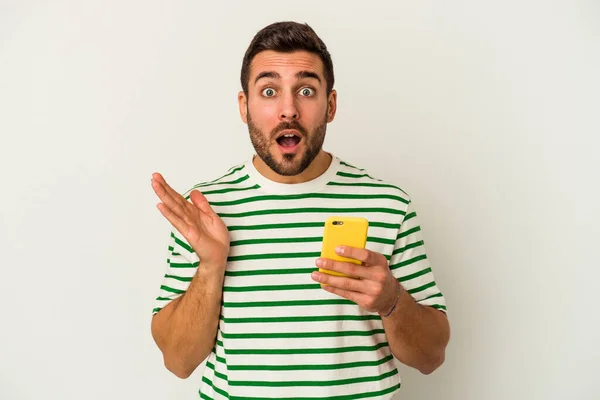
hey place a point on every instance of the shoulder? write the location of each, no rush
(237, 174)
(352, 175)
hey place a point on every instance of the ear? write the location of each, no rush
(331, 105)
(243, 105)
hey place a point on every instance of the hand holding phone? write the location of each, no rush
(343, 231)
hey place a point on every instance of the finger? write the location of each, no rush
(167, 199)
(163, 194)
(368, 257)
(173, 219)
(355, 297)
(157, 176)
(200, 201)
(159, 183)
(348, 268)
(169, 190)
(341, 282)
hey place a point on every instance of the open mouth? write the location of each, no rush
(288, 141)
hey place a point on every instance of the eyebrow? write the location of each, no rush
(299, 75)
(308, 74)
(267, 74)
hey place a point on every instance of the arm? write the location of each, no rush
(418, 335)
(185, 330)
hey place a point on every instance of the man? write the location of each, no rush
(243, 287)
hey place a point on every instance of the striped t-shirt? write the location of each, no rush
(280, 335)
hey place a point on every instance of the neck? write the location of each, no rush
(316, 168)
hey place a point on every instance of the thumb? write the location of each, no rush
(201, 202)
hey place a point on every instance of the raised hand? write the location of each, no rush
(203, 229)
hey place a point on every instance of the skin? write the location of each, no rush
(185, 329)
(285, 91)
(418, 335)
(295, 101)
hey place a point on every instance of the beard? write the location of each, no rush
(292, 164)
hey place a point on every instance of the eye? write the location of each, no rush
(307, 92)
(268, 92)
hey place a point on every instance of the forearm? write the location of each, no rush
(418, 335)
(185, 330)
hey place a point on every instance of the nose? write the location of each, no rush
(289, 111)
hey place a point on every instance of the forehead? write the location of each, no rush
(286, 64)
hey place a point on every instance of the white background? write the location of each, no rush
(487, 114)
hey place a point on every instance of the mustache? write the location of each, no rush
(288, 125)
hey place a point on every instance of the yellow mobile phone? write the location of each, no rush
(343, 231)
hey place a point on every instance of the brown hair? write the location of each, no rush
(287, 37)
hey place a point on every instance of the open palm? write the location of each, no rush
(203, 229)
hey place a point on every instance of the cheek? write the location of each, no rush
(263, 115)
(313, 113)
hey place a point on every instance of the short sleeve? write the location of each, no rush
(410, 265)
(182, 263)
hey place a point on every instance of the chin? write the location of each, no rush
(288, 164)
(290, 168)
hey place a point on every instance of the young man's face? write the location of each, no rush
(287, 109)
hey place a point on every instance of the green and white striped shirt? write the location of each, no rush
(280, 335)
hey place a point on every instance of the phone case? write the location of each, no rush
(347, 231)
